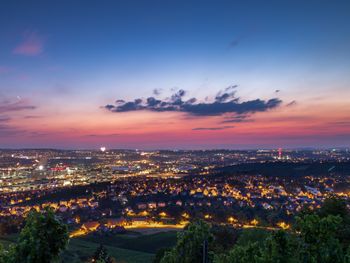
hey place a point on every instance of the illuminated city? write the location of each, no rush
(169, 187)
(174, 131)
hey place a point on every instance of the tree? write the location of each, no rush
(224, 237)
(6, 255)
(159, 255)
(250, 253)
(189, 246)
(280, 247)
(42, 239)
(253, 235)
(101, 255)
(318, 241)
(337, 206)
(334, 206)
(347, 256)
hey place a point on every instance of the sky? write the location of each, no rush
(174, 74)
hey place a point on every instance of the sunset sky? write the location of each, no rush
(174, 74)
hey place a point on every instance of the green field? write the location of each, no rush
(139, 242)
(128, 248)
(80, 250)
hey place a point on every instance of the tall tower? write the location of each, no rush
(279, 153)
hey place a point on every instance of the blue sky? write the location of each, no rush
(74, 57)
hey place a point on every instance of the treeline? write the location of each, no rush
(320, 236)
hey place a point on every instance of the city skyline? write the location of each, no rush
(174, 75)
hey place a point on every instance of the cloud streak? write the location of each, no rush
(213, 128)
(292, 103)
(7, 107)
(6, 130)
(4, 118)
(225, 102)
(237, 119)
(19, 105)
(32, 45)
(102, 135)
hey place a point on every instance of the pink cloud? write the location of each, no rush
(31, 45)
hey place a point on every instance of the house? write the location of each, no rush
(152, 205)
(114, 222)
(141, 206)
(90, 226)
(63, 208)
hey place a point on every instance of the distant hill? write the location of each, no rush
(287, 168)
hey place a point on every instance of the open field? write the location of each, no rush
(133, 247)
(80, 250)
(147, 243)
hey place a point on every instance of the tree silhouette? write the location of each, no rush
(189, 246)
(101, 255)
(42, 238)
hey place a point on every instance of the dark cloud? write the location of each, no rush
(109, 107)
(292, 103)
(227, 94)
(157, 92)
(237, 119)
(234, 43)
(243, 35)
(225, 102)
(212, 128)
(153, 102)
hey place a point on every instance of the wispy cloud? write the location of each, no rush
(238, 39)
(213, 128)
(4, 118)
(6, 130)
(340, 123)
(32, 117)
(292, 103)
(157, 92)
(18, 105)
(102, 135)
(31, 45)
(238, 119)
(225, 102)
(6, 108)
